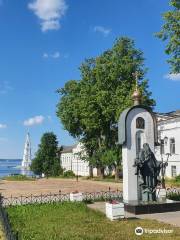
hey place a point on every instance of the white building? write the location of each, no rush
(169, 136)
(26, 162)
(71, 159)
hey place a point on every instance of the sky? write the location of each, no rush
(43, 43)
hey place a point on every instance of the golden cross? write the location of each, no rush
(136, 75)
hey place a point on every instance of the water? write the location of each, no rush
(12, 166)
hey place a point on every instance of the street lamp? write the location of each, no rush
(76, 155)
(164, 164)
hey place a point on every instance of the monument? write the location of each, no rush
(26, 162)
(137, 134)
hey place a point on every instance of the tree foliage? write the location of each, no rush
(171, 33)
(90, 107)
(46, 159)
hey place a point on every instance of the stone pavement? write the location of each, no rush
(167, 217)
(172, 218)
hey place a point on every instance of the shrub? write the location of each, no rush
(174, 196)
(68, 173)
(18, 177)
(177, 178)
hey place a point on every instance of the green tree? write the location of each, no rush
(171, 34)
(46, 158)
(89, 108)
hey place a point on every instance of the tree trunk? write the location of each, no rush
(91, 171)
(100, 172)
(117, 173)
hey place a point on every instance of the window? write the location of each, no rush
(172, 146)
(162, 146)
(139, 142)
(140, 123)
(173, 171)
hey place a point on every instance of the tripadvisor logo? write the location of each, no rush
(139, 231)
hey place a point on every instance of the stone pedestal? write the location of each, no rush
(161, 194)
(76, 197)
(114, 210)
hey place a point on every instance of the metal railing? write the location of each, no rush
(10, 235)
(59, 197)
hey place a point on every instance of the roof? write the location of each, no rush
(168, 116)
(122, 123)
(68, 149)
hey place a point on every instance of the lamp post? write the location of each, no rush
(164, 164)
(77, 169)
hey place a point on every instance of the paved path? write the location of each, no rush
(168, 217)
(172, 218)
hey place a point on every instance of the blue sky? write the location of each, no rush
(43, 42)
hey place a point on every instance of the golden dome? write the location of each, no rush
(136, 96)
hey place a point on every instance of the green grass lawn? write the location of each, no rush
(172, 183)
(2, 235)
(74, 221)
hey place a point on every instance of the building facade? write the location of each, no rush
(71, 158)
(169, 138)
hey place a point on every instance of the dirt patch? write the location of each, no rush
(17, 188)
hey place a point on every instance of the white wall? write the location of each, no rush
(170, 129)
(72, 161)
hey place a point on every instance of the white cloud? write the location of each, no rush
(54, 55)
(173, 76)
(103, 30)
(3, 126)
(34, 121)
(49, 12)
(5, 87)
(45, 55)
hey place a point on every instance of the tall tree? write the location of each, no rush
(46, 159)
(171, 34)
(89, 108)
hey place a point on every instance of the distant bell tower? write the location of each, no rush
(26, 162)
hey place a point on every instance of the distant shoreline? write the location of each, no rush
(12, 159)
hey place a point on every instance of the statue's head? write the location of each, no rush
(146, 147)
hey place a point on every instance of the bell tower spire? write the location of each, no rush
(26, 162)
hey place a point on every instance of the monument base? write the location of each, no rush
(153, 207)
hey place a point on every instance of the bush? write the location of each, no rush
(174, 196)
(177, 178)
(68, 173)
(18, 177)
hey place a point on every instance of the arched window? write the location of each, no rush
(140, 123)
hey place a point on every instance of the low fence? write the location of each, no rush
(59, 197)
(10, 235)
